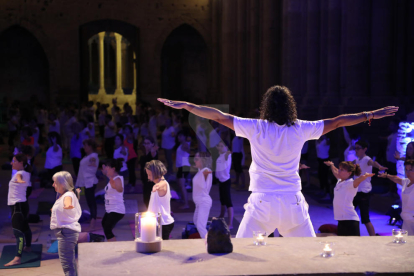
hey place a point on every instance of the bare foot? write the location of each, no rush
(184, 207)
(15, 261)
(27, 249)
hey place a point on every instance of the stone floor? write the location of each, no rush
(320, 212)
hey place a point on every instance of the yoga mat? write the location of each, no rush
(131, 206)
(175, 207)
(36, 193)
(29, 259)
(6, 233)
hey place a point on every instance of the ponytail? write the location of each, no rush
(354, 169)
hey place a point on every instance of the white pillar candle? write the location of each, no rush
(148, 228)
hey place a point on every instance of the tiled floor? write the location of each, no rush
(320, 213)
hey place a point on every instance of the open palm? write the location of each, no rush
(173, 104)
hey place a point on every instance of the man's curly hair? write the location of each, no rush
(279, 106)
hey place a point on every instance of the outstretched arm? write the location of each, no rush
(393, 178)
(362, 178)
(333, 168)
(202, 111)
(353, 119)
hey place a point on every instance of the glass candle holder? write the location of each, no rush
(148, 226)
(399, 235)
(259, 237)
(327, 249)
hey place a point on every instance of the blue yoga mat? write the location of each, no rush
(29, 259)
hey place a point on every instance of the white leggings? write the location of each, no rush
(201, 213)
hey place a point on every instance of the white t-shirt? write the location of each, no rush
(322, 149)
(182, 158)
(161, 205)
(201, 186)
(55, 127)
(17, 191)
(276, 152)
(407, 197)
(87, 171)
(53, 159)
(344, 193)
(223, 167)
(168, 141)
(365, 185)
(119, 154)
(114, 200)
(66, 218)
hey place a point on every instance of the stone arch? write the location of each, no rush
(24, 70)
(184, 65)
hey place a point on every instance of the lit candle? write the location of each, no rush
(399, 238)
(327, 250)
(260, 239)
(148, 228)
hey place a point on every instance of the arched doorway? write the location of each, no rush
(184, 65)
(109, 62)
(24, 68)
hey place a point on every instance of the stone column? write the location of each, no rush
(333, 51)
(101, 91)
(241, 64)
(119, 90)
(254, 56)
(271, 43)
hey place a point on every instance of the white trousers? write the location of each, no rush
(201, 213)
(288, 212)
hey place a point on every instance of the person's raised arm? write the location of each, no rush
(393, 178)
(376, 165)
(346, 136)
(353, 119)
(202, 111)
(362, 178)
(333, 168)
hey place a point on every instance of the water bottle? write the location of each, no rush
(49, 241)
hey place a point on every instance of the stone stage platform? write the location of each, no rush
(286, 256)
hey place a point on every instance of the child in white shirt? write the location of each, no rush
(344, 193)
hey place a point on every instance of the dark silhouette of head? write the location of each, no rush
(218, 237)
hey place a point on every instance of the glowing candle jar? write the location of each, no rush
(399, 235)
(148, 232)
(327, 249)
(259, 237)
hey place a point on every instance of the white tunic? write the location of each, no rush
(161, 205)
(87, 171)
(66, 218)
(344, 193)
(53, 159)
(223, 167)
(17, 191)
(119, 154)
(182, 158)
(202, 187)
(365, 185)
(114, 200)
(276, 152)
(407, 197)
